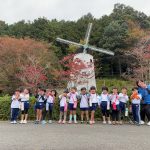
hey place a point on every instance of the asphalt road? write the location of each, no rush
(73, 137)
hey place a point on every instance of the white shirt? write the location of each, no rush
(114, 98)
(123, 98)
(50, 99)
(63, 100)
(104, 98)
(24, 97)
(94, 98)
(15, 103)
(137, 101)
(72, 97)
(84, 101)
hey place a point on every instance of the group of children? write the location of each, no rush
(114, 107)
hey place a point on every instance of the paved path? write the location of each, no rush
(73, 137)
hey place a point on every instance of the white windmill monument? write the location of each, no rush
(87, 59)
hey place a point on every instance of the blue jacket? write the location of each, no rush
(145, 94)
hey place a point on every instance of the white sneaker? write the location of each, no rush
(142, 122)
(70, 122)
(43, 122)
(109, 122)
(50, 121)
(148, 123)
(75, 122)
(59, 121)
(21, 122)
(15, 122)
(25, 121)
(64, 122)
(12, 122)
(104, 122)
(91, 122)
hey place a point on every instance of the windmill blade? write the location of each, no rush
(68, 42)
(101, 50)
(88, 32)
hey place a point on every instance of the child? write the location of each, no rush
(84, 104)
(39, 105)
(93, 103)
(72, 104)
(50, 98)
(115, 106)
(105, 105)
(123, 98)
(63, 107)
(136, 99)
(24, 96)
(15, 104)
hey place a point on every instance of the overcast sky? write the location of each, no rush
(14, 10)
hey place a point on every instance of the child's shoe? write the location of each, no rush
(104, 122)
(25, 121)
(43, 122)
(50, 121)
(59, 121)
(113, 122)
(109, 122)
(91, 122)
(120, 122)
(82, 122)
(70, 122)
(64, 122)
(75, 122)
(21, 122)
(15, 122)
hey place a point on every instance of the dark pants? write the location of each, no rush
(115, 115)
(50, 112)
(122, 110)
(105, 112)
(14, 114)
(145, 111)
(136, 112)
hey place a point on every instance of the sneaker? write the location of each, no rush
(142, 122)
(117, 122)
(21, 122)
(120, 122)
(59, 121)
(12, 122)
(43, 122)
(109, 122)
(91, 122)
(25, 121)
(148, 123)
(75, 122)
(104, 122)
(70, 122)
(81, 122)
(50, 121)
(15, 122)
(64, 122)
(113, 122)
(36, 122)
